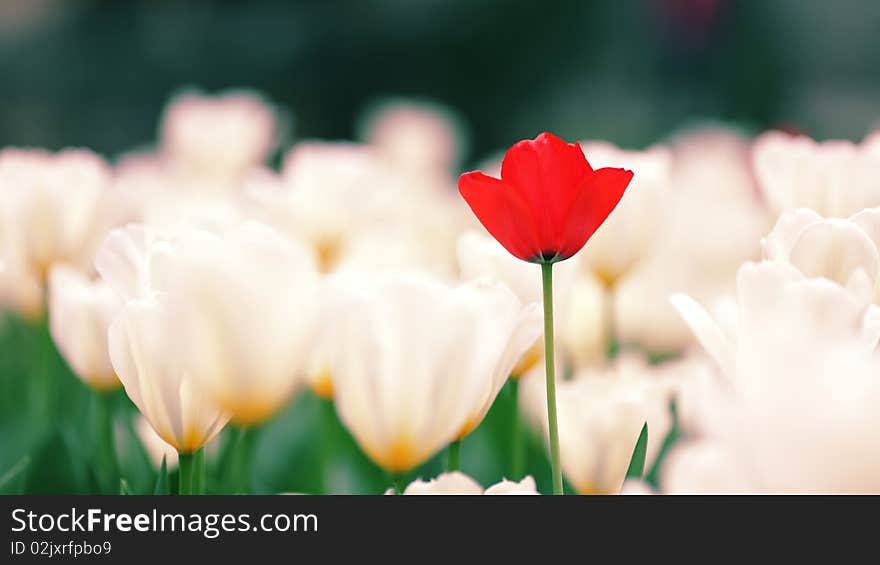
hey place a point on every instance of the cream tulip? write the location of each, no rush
(417, 363)
(20, 290)
(157, 448)
(158, 197)
(80, 312)
(333, 190)
(601, 413)
(713, 222)
(629, 234)
(420, 138)
(343, 198)
(457, 483)
(778, 308)
(244, 304)
(841, 250)
(143, 347)
(871, 143)
(835, 178)
(217, 138)
(54, 207)
(795, 400)
(480, 256)
(585, 324)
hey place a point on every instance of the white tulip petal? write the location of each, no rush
(706, 330)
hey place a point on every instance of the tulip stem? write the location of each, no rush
(517, 440)
(610, 324)
(550, 365)
(399, 482)
(244, 452)
(328, 443)
(105, 453)
(191, 470)
(453, 459)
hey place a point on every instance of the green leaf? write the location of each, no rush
(123, 487)
(8, 479)
(637, 462)
(162, 486)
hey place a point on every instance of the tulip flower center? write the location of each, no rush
(547, 257)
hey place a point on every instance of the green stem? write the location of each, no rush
(399, 482)
(328, 441)
(244, 459)
(46, 387)
(453, 459)
(550, 364)
(611, 324)
(191, 468)
(105, 452)
(186, 462)
(517, 440)
(199, 472)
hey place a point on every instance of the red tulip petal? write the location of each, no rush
(597, 199)
(547, 172)
(502, 212)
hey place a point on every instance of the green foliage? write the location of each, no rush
(12, 481)
(637, 462)
(162, 485)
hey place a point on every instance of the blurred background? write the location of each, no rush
(98, 73)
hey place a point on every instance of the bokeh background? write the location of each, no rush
(97, 73)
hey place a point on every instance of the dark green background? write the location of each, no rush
(97, 73)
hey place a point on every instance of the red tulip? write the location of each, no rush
(548, 201)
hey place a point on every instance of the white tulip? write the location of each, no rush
(636, 487)
(144, 351)
(871, 143)
(333, 190)
(628, 235)
(584, 323)
(480, 256)
(840, 250)
(156, 447)
(244, 304)
(217, 137)
(713, 195)
(778, 307)
(795, 401)
(345, 199)
(526, 486)
(705, 467)
(601, 413)
(835, 178)
(393, 248)
(422, 139)
(457, 483)
(579, 298)
(796, 422)
(417, 364)
(20, 290)
(54, 207)
(157, 197)
(80, 312)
